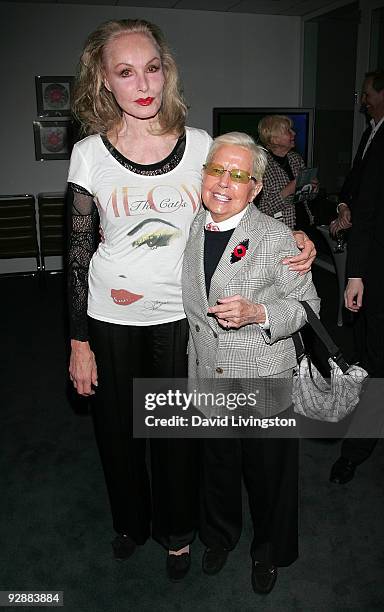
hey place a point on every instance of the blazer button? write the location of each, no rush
(197, 362)
(214, 334)
(219, 370)
(197, 328)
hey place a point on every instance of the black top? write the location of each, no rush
(365, 241)
(350, 189)
(214, 246)
(284, 163)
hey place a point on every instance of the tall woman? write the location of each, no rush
(142, 169)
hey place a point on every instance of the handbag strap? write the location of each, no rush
(299, 346)
(333, 350)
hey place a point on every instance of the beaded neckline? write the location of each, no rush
(161, 167)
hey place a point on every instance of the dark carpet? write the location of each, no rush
(55, 529)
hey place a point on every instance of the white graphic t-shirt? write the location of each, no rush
(135, 274)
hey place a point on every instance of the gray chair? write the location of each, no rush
(18, 233)
(51, 207)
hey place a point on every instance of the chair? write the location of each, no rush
(51, 207)
(18, 233)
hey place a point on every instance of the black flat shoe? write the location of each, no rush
(123, 547)
(343, 470)
(214, 560)
(263, 577)
(178, 566)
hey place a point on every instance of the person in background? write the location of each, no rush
(284, 164)
(363, 213)
(140, 168)
(371, 144)
(242, 306)
(137, 165)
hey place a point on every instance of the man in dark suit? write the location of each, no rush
(371, 144)
(364, 293)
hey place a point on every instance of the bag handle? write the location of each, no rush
(333, 350)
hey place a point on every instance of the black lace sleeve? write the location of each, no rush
(82, 232)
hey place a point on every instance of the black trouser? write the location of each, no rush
(123, 353)
(369, 340)
(270, 471)
(357, 449)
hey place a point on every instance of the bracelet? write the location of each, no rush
(340, 204)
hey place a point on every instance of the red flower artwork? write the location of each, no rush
(56, 96)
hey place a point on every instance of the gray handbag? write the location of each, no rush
(315, 397)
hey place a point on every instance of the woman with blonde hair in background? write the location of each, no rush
(284, 164)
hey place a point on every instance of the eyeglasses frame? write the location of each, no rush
(250, 177)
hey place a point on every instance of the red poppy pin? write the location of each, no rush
(239, 251)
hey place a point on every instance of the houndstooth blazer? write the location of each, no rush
(248, 352)
(275, 179)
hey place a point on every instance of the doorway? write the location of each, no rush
(329, 74)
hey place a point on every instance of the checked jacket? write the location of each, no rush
(247, 352)
(275, 179)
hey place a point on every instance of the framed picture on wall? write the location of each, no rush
(53, 95)
(53, 139)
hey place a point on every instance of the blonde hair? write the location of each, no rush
(270, 125)
(96, 108)
(240, 139)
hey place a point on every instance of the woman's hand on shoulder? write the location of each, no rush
(82, 368)
(236, 311)
(302, 262)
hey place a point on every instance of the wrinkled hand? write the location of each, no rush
(353, 294)
(82, 368)
(334, 227)
(345, 218)
(343, 221)
(236, 311)
(302, 262)
(315, 185)
(288, 189)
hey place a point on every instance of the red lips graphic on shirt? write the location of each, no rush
(123, 297)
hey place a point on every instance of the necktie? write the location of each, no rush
(211, 227)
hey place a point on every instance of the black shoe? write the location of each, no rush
(214, 560)
(123, 547)
(263, 577)
(178, 566)
(343, 470)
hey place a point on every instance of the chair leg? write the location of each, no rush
(42, 276)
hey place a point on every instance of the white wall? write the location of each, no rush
(225, 60)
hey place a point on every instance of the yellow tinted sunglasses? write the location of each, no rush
(237, 175)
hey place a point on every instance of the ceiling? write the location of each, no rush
(270, 7)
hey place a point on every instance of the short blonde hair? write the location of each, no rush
(270, 125)
(240, 139)
(96, 108)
